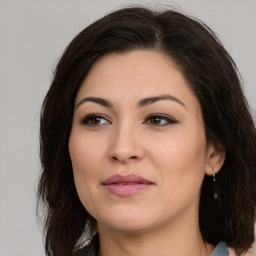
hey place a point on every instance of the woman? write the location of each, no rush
(147, 142)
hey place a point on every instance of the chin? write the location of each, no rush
(127, 223)
(128, 228)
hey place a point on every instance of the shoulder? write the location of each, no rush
(91, 249)
(250, 252)
(222, 249)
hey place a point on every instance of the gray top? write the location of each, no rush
(221, 249)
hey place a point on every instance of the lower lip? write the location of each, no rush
(127, 190)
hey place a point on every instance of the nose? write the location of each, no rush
(126, 145)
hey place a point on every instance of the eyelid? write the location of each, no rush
(94, 115)
(170, 120)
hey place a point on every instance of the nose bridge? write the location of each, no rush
(125, 143)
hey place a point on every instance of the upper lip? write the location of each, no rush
(127, 179)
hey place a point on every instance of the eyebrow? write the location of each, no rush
(99, 101)
(150, 100)
(141, 103)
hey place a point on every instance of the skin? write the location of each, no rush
(170, 152)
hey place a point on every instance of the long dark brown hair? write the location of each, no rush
(213, 78)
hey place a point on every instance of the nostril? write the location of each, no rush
(114, 157)
(119, 158)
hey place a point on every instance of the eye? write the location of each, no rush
(159, 120)
(95, 120)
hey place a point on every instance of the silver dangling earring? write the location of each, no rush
(215, 194)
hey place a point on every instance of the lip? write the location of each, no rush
(126, 186)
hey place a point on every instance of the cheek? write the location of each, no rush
(184, 153)
(85, 162)
(182, 161)
(85, 154)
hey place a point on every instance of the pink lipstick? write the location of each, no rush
(126, 186)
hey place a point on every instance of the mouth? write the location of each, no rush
(126, 186)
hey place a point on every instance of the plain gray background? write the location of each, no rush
(33, 35)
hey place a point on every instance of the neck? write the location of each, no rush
(181, 238)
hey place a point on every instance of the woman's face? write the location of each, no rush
(137, 143)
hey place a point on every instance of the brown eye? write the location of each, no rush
(155, 120)
(159, 120)
(95, 120)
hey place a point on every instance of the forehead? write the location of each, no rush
(135, 62)
(141, 73)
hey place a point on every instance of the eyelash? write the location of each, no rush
(168, 120)
(93, 117)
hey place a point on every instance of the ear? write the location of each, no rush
(215, 158)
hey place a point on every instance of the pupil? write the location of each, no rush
(155, 120)
(95, 120)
